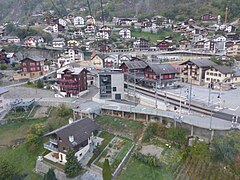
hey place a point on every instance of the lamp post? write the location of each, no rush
(210, 128)
(190, 97)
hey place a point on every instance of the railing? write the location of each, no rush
(67, 80)
(50, 146)
(53, 141)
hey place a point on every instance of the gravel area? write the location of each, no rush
(152, 150)
(41, 112)
(25, 92)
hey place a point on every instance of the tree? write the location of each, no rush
(40, 84)
(7, 170)
(177, 135)
(72, 166)
(200, 151)
(107, 175)
(50, 175)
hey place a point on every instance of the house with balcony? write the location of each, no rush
(193, 71)
(72, 80)
(32, 67)
(141, 44)
(125, 33)
(3, 103)
(78, 21)
(33, 41)
(58, 42)
(77, 135)
(162, 75)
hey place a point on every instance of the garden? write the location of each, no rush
(114, 152)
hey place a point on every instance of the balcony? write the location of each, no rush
(67, 81)
(53, 141)
(50, 146)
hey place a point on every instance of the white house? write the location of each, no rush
(77, 135)
(102, 35)
(58, 42)
(78, 21)
(125, 33)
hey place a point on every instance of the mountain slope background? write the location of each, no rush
(21, 10)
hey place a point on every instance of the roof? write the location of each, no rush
(223, 69)
(201, 62)
(135, 64)
(81, 130)
(75, 70)
(58, 40)
(34, 58)
(162, 68)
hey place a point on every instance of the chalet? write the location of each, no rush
(58, 42)
(33, 41)
(90, 21)
(72, 80)
(141, 44)
(164, 75)
(90, 29)
(164, 45)
(2, 31)
(10, 40)
(32, 67)
(97, 61)
(77, 135)
(124, 58)
(209, 18)
(219, 44)
(12, 58)
(111, 61)
(233, 50)
(106, 28)
(133, 68)
(105, 48)
(184, 44)
(125, 33)
(193, 71)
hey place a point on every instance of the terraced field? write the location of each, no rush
(193, 169)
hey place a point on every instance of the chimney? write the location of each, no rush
(71, 138)
(70, 121)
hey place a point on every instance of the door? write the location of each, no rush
(117, 96)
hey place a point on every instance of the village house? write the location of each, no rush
(72, 80)
(72, 43)
(193, 71)
(102, 35)
(97, 61)
(33, 41)
(12, 58)
(125, 33)
(77, 135)
(233, 50)
(141, 44)
(106, 28)
(184, 44)
(105, 48)
(219, 44)
(78, 21)
(209, 18)
(111, 61)
(2, 31)
(32, 67)
(58, 42)
(164, 45)
(160, 75)
(10, 40)
(218, 76)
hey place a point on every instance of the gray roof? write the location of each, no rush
(81, 130)
(75, 70)
(201, 62)
(162, 68)
(135, 64)
(35, 58)
(223, 69)
(58, 40)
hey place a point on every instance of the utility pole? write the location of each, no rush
(156, 95)
(190, 97)
(209, 94)
(210, 128)
(226, 13)
(134, 87)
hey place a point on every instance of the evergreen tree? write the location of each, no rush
(50, 175)
(72, 166)
(107, 175)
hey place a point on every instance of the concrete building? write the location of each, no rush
(111, 85)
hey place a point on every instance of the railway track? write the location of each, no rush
(174, 100)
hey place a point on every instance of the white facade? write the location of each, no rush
(62, 22)
(101, 35)
(3, 103)
(58, 43)
(78, 21)
(215, 76)
(125, 33)
(55, 28)
(63, 61)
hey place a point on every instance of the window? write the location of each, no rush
(211, 74)
(207, 73)
(219, 75)
(114, 89)
(207, 79)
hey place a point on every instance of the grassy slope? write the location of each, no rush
(137, 170)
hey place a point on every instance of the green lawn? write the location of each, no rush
(146, 35)
(125, 126)
(137, 170)
(23, 159)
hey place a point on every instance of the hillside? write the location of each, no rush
(20, 10)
